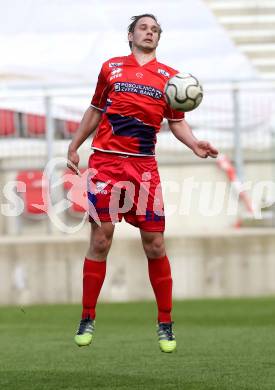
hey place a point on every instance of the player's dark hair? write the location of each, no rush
(135, 19)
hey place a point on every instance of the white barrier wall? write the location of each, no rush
(49, 270)
(202, 207)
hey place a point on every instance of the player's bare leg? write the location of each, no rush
(94, 271)
(161, 281)
(100, 240)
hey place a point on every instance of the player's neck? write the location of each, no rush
(143, 57)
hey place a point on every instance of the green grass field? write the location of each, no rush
(222, 344)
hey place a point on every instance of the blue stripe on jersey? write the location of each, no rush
(131, 127)
(92, 198)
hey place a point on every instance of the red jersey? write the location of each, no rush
(131, 98)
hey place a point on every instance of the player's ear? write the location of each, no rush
(130, 37)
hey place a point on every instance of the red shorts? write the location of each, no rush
(125, 186)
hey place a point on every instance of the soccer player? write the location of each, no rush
(127, 109)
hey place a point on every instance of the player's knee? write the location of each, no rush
(100, 246)
(155, 248)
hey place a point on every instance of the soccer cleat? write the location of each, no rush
(167, 340)
(85, 332)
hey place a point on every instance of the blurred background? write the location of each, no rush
(51, 53)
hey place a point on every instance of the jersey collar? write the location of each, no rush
(131, 60)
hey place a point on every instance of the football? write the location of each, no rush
(183, 92)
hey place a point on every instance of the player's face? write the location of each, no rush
(145, 35)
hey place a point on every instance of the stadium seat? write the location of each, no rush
(76, 191)
(34, 125)
(70, 128)
(7, 123)
(33, 197)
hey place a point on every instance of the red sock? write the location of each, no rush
(161, 281)
(93, 278)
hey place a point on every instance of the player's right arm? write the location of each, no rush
(88, 124)
(91, 118)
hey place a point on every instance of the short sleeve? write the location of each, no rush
(173, 115)
(99, 99)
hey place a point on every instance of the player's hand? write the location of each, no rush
(73, 160)
(204, 149)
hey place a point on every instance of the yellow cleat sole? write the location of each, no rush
(83, 340)
(167, 346)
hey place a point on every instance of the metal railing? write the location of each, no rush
(238, 118)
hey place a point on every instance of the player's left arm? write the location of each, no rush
(183, 132)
